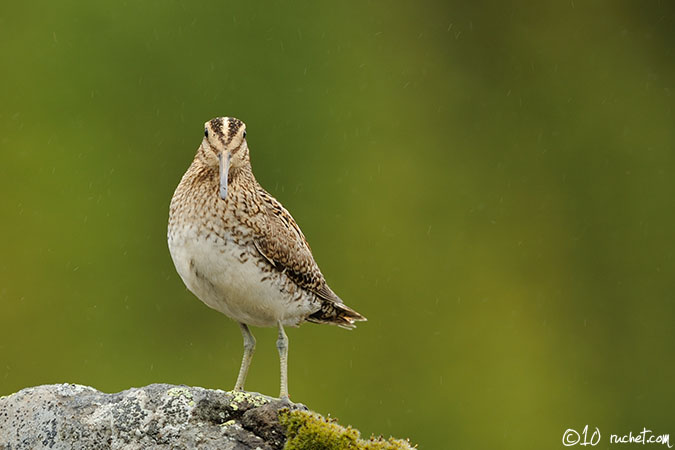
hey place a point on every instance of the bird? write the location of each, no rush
(240, 251)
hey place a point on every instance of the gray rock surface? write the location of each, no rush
(158, 416)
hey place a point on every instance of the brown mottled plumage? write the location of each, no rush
(240, 251)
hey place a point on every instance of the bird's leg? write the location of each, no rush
(249, 348)
(282, 346)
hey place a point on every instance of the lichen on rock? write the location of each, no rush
(161, 416)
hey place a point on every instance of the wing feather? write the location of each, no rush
(285, 247)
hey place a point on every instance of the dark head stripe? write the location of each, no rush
(232, 128)
(217, 125)
(225, 135)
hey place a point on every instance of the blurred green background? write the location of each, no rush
(491, 184)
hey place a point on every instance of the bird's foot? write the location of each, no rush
(286, 402)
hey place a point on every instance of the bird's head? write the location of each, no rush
(224, 146)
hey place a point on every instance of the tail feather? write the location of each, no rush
(336, 314)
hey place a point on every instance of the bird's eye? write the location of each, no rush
(244, 134)
(206, 132)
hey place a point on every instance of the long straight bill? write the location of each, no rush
(224, 169)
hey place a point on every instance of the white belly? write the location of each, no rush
(229, 278)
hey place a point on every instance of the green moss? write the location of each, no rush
(310, 431)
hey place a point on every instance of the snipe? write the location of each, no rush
(240, 252)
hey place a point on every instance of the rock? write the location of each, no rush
(163, 416)
(160, 416)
